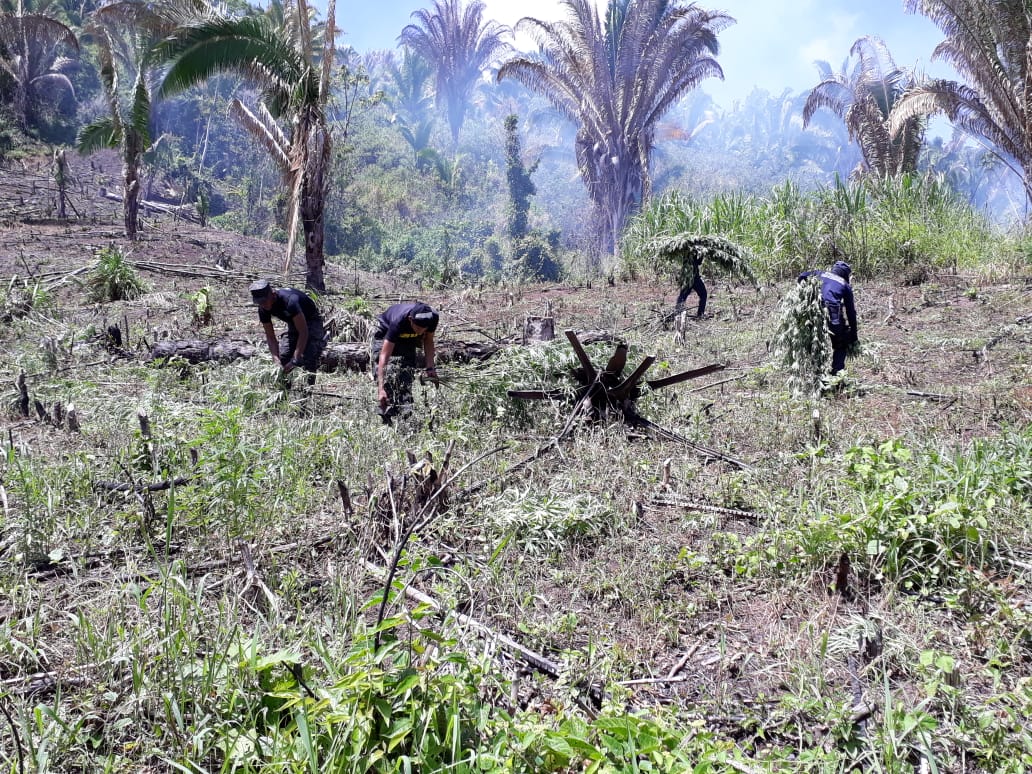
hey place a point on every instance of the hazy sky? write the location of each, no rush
(772, 45)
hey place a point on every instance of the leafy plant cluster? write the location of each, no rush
(113, 277)
(928, 523)
(802, 345)
(922, 520)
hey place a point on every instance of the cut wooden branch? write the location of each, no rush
(618, 361)
(931, 395)
(345, 498)
(695, 373)
(717, 384)
(582, 356)
(536, 394)
(671, 501)
(254, 581)
(624, 389)
(157, 486)
(23, 395)
(72, 418)
(705, 451)
(683, 661)
(536, 660)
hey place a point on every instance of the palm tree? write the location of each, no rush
(282, 55)
(125, 32)
(987, 42)
(407, 94)
(615, 77)
(863, 98)
(32, 43)
(460, 45)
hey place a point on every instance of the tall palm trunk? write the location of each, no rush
(131, 178)
(616, 183)
(312, 204)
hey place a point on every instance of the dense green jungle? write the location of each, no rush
(650, 542)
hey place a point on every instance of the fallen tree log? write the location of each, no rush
(201, 351)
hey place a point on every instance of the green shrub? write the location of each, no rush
(203, 305)
(113, 277)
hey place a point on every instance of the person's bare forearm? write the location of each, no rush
(381, 366)
(273, 344)
(302, 338)
(429, 351)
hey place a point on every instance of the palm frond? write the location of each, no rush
(264, 129)
(98, 135)
(140, 110)
(249, 46)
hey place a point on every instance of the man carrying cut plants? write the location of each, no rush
(691, 279)
(402, 331)
(302, 343)
(837, 298)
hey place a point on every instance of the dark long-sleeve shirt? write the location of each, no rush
(837, 296)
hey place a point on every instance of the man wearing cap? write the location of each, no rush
(402, 330)
(837, 297)
(303, 341)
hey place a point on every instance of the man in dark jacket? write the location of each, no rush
(402, 330)
(691, 279)
(837, 297)
(304, 339)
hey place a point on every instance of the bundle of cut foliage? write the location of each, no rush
(677, 256)
(802, 344)
(683, 251)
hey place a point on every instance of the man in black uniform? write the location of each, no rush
(304, 339)
(837, 297)
(691, 279)
(401, 331)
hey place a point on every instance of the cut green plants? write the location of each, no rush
(113, 277)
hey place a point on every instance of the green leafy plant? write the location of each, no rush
(203, 305)
(544, 525)
(113, 277)
(802, 345)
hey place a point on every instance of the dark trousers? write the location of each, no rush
(841, 339)
(313, 349)
(700, 288)
(400, 374)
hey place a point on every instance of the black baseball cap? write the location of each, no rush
(426, 318)
(260, 290)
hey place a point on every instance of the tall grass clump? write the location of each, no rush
(113, 277)
(883, 226)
